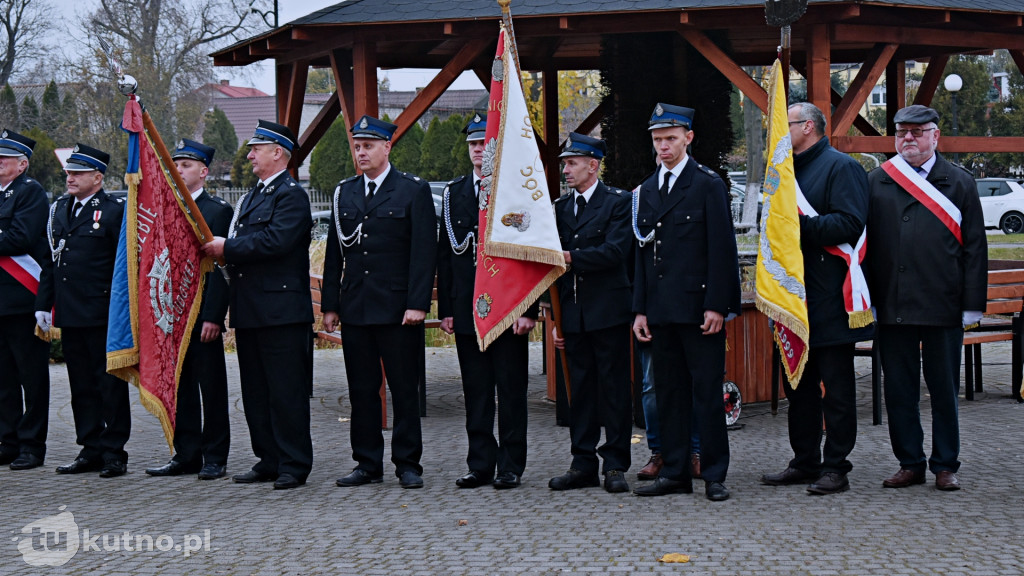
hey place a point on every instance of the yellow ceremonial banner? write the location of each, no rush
(780, 263)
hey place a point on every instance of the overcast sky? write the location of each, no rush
(261, 75)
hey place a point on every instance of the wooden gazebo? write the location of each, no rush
(356, 37)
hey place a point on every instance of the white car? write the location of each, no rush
(1002, 202)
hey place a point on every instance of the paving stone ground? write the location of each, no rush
(382, 529)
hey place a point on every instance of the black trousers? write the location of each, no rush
(501, 369)
(273, 365)
(24, 386)
(397, 346)
(99, 401)
(688, 371)
(832, 365)
(202, 434)
(599, 370)
(906, 351)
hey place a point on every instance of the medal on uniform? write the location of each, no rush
(96, 219)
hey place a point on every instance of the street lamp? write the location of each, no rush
(953, 84)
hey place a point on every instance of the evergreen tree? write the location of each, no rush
(44, 166)
(29, 113)
(9, 116)
(69, 128)
(405, 154)
(331, 160)
(436, 162)
(1008, 120)
(972, 104)
(241, 170)
(459, 161)
(220, 134)
(49, 117)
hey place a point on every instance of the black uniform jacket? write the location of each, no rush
(390, 267)
(269, 257)
(917, 272)
(77, 284)
(595, 292)
(23, 213)
(691, 265)
(217, 213)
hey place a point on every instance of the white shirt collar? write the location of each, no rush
(928, 165)
(676, 171)
(378, 180)
(195, 195)
(271, 179)
(85, 201)
(589, 192)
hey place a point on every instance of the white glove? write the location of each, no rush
(43, 320)
(971, 317)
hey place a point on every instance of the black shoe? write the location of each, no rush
(716, 491)
(506, 480)
(26, 462)
(358, 477)
(173, 468)
(615, 481)
(789, 476)
(287, 481)
(80, 465)
(114, 468)
(662, 486)
(253, 476)
(830, 483)
(8, 457)
(573, 479)
(473, 479)
(212, 472)
(410, 479)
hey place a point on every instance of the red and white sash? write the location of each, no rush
(855, 286)
(936, 202)
(24, 269)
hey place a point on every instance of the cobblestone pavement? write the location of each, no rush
(220, 527)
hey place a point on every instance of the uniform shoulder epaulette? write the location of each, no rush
(563, 198)
(410, 176)
(349, 179)
(706, 170)
(617, 191)
(220, 201)
(458, 179)
(119, 200)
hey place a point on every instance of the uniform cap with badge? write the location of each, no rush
(476, 129)
(14, 144)
(193, 150)
(372, 128)
(84, 158)
(670, 116)
(273, 133)
(580, 145)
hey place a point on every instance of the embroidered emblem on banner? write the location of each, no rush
(160, 297)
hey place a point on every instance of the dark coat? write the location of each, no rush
(217, 213)
(391, 268)
(917, 271)
(697, 267)
(595, 292)
(23, 212)
(837, 187)
(77, 285)
(268, 258)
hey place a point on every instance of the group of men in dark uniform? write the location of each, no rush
(658, 264)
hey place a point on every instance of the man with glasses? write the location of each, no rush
(927, 270)
(835, 187)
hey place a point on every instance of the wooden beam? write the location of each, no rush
(283, 84)
(549, 149)
(469, 52)
(860, 122)
(818, 71)
(860, 88)
(1018, 59)
(947, 144)
(364, 74)
(295, 96)
(316, 130)
(895, 92)
(341, 65)
(724, 64)
(930, 81)
(591, 121)
(483, 74)
(939, 37)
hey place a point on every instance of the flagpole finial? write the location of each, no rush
(504, 5)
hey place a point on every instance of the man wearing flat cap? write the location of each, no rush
(594, 230)
(267, 256)
(927, 266)
(84, 226)
(201, 433)
(384, 237)
(686, 285)
(25, 377)
(502, 368)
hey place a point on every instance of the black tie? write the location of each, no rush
(664, 186)
(581, 203)
(478, 184)
(75, 210)
(369, 190)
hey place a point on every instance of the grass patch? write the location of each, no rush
(1006, 239)
(1006, 253)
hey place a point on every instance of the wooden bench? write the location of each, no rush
(315, 286)
(1002, 323)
